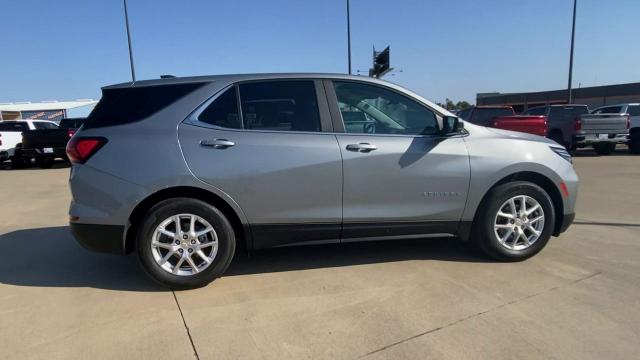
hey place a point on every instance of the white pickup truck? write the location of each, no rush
(633, 111)
(11, 138)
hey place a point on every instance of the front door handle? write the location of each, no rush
(217, 143)
(361, 147)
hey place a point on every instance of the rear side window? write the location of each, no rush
(126, 105)
(13, 126)
(280, 106)
(41, 125)
(633, 110)
(223, 111)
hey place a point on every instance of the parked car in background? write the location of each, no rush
(45, 145)
(572, 126)
(633, 111)
(12, 131)
(218, 164)
(4, 154)
(503, 117)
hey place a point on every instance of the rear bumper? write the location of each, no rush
(567, 220)
(590, 139)
(100, 238)
(37, 152)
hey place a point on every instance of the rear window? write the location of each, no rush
(609, 110)
(126, 105)
(484, 116)
(536, 111)
(41, 125)
(70, 123)
(14, 126)
(566, 113)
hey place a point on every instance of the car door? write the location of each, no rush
(269, 146)
(401, 176)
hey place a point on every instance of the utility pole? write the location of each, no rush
(573, 35)
(126, 19)
(349, 36)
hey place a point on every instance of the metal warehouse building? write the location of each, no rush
(46, 110)
(593, 96)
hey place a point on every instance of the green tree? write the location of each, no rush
(450, 105)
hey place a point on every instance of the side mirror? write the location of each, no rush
(452, 125)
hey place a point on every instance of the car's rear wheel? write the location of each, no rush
(185, 243)
(515, 221)
(604, 148)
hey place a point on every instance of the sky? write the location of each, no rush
(68, 49)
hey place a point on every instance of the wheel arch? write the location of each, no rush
(534, 177)
(240, 228)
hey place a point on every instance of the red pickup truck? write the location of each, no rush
(503, 117)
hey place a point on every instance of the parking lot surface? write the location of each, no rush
(432, 298)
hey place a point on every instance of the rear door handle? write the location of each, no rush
(217, 143)
(361, 147)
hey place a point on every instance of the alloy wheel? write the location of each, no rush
(184, 244)
(519, 222)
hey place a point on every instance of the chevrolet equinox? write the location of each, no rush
(185, 171)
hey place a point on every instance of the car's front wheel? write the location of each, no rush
(185, 243)
(515, 221)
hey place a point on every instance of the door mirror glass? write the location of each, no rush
(451, 125)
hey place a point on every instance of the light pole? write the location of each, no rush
(349, 36)
(126, 19)
(573, 35)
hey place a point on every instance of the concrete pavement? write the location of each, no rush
(431, 298)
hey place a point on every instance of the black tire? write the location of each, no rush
(604, 148)
(44, 163)
(168, 208)
(18, 162)
(484, 222)
(634, 143)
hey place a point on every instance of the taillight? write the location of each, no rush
(80, 149)
(577, 125)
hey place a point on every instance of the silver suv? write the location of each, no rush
(187, 171)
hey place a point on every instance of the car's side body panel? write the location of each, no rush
(497, 154)
(287, 187)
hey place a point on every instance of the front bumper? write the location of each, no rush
(590, 139)
(567, 220)
(100, 238)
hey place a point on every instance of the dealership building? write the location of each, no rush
(46, 110)
(593, 96)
